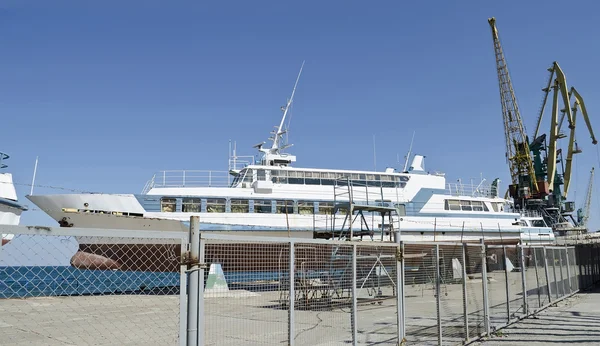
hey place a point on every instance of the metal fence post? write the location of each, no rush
(183, 299)
(484, 286)
(562, 277)
(292, 298)
(354, 302)
(437, 293)
(201, 288)
(595, 264)
(506, 288)
(400, 293)
(521, 254)
(582, 266)
(193, 319)
(569, 271)
(464, 291)
(547, 274)
(554, 273)
(537, 278)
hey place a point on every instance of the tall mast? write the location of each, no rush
(409, 150)
(280, 131)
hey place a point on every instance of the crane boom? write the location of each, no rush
(579, 104)
(584, 213)
(517, 147)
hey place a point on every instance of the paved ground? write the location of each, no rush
(574, 321)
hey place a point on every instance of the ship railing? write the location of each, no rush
(531, 213)
(472, 190)
(188, 178)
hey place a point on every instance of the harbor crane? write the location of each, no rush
(536, 181)
(583, 214)
(557, 209)
(518, 155)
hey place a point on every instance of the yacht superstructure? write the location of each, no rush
(270, 196)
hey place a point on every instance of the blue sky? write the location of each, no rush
(110, 92)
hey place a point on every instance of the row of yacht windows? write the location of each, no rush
(248, 175)
(465, 205)
(223, 205)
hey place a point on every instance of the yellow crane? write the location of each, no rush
(583, 214)
(573, 149)
(518, 155)
(558, 81)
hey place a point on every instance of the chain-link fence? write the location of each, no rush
(260, 290)
(90, 286)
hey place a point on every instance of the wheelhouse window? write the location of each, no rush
(191, 205)
(262, 206)
(306, 207)
(279, 177)
(327, 178)
(387, 181)
(312, 178)
(295, 177)
(373, 180)
(261, 175)
(247, 175)
(497, 206)
(168, 204)
(478, 206)
(284, 207)
(325, 208)
(215, 205)
(465, 206)
(452, 204)
(538, 223)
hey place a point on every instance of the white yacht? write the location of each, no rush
(10, 208)
(269, 195)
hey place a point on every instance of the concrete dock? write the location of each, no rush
(573, 321)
